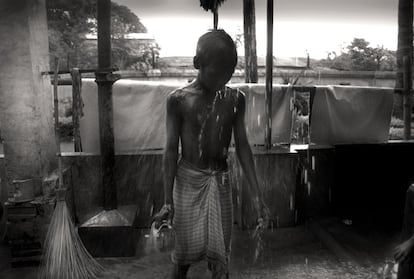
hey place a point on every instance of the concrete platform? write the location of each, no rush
(288, 253)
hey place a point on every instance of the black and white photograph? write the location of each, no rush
(198, 139)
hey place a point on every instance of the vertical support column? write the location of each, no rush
(26, 107)
(76, 107)
(269, 75)
(404, 48)
(407, 97)
(250, 54)
(106, 129)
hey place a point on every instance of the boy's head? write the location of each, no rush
(215, 43)
(216, 58)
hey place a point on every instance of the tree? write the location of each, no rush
(124, 21)
(389, 61)
(359, 56)
(70, 21)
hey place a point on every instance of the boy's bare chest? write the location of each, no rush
(213, 112)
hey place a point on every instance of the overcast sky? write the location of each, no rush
(316, 26)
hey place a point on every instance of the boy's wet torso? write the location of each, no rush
(206, 122)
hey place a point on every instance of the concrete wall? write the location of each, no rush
(26, 119)
(308, 77)
(139, 182)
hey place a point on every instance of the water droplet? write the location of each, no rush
(234, 109)
(217, 118)
(258, 120)
(254, 103)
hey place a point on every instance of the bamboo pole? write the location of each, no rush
(407, 97)
(76, 107)
(56, 114)
(250, 56)
(215, 18)
(269, 76)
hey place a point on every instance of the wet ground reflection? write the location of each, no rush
(288, 253)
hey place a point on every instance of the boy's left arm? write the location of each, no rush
(244, 153)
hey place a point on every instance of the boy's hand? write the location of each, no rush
(263, 213)
(165, 215)
(403, 251)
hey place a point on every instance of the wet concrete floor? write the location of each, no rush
(288, 253)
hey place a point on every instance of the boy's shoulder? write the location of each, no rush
(182, 92)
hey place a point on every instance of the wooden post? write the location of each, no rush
(215, 18)
(56, 105)
(269, 75)
(76, 107)
(106, 130)
(250, 55)
(407, 97)
(404, 48)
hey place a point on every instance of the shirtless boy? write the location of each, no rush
(203, 115)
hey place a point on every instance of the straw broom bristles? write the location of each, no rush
(65, 256)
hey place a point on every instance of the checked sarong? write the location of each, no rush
(202, 215)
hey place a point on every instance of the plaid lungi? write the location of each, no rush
(203, 215)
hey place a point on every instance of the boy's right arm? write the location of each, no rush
(171, 148)
(169, 161)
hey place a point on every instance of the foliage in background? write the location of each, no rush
(359, 56)
(70, 21)
(291, 78)
(396, 131)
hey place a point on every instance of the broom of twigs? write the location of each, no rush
(65, 257)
